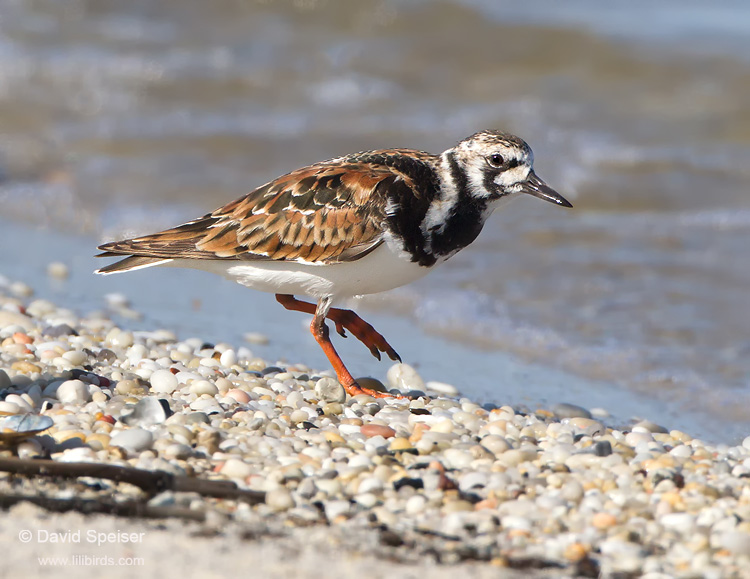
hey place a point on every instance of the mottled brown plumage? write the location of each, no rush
(325, 213)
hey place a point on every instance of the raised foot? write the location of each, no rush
(364, 332)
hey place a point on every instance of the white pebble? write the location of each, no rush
(635, 438)
(163, 381)
(495, 444)
(513, 522)
(442, 388)
(228, 358)
(117, 300)
(682, 522)
(415, 504)
(201, 387)
(336, 509)
(9, 408)
(72, 391)
(472, 480)
(404, 377)
(737, 542)
(75, 357)
(58, 270)
(236, 468)
(456, 458)
(370, 485)
(279, 499)
(22, 404)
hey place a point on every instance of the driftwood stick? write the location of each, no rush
(151, 482)
(92, 506)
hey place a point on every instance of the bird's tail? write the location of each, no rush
(129, 263)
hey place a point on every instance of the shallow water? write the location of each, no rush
(120, 118)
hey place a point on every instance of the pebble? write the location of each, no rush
(564, 410)
(370, 430)
(147, 412)
(603, 521)
(240, 396)
(134, 439)
(279, 499)
(495, 444)
(650, 427)
(201, 387)
(441, 388)
(8, 408)
(236, 468)
(336, 509)
(25, 405)
(736, 542)
(404, 377)
(163, 382)
(58, 270)
(586, 426)
(73, 391)
(329, 390)
(683, 522)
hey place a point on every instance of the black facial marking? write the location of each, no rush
(466, 222)
(488, 182)
(460, 178)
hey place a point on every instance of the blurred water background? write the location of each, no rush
(119, 118)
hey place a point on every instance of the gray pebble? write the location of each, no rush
(58, 330)
(329, 390)
(565, 410)
(134, 439)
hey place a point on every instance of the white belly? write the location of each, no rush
(381, 270)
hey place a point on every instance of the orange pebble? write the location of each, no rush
(370, 430)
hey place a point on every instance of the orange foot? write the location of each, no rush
(364, 332)
(353, 389)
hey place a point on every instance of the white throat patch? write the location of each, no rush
(441, 208)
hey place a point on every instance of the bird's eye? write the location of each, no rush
(496, 160)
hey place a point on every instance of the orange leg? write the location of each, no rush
(345, 319)
(319, 330)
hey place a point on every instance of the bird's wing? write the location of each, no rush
(325, 213)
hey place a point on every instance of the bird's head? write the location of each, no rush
(498, 166)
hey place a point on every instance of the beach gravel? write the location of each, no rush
(381, 486)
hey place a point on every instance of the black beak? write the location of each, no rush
(538, 188)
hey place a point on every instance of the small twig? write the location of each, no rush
(91, 506)
(151, 482)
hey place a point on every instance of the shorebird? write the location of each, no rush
(359, 224)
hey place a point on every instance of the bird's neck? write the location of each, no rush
(455, 217)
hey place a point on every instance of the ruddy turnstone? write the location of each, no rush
(359, 224)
